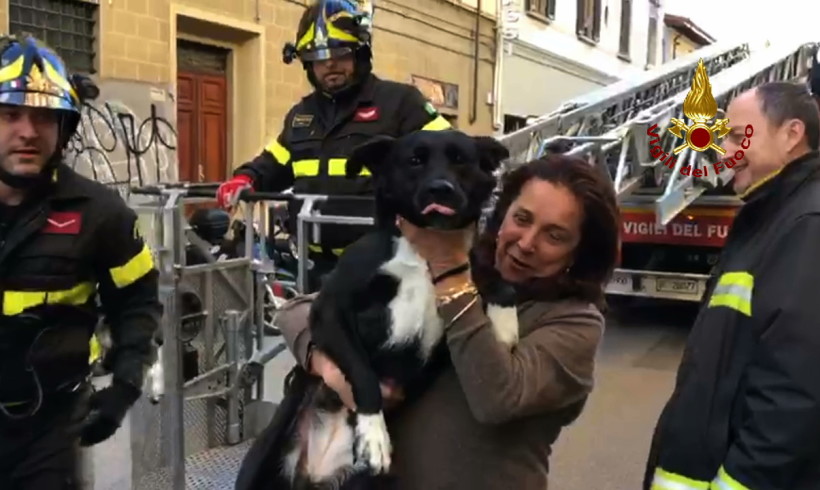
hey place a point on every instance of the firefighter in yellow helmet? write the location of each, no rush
(65, 242)
(349, 106)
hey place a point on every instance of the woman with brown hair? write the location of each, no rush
(490, 418)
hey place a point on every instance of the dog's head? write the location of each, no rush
(434, 179)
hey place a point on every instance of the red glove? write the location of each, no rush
(229, 190)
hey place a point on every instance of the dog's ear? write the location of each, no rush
(491, 152)
(369, 155)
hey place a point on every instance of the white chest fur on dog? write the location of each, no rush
(413, 311)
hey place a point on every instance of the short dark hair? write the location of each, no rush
(782, 101)
(598, 248)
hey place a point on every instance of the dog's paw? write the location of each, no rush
(372, 447)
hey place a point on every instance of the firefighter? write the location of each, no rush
(349, 105)
(745, 411)
(65, 243)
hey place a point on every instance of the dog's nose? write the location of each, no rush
(440, 188)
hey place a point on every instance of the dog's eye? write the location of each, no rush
(415, 161)
(455, 155)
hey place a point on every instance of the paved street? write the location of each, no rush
(607, 446)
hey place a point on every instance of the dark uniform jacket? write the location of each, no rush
(745, 412)
(74, 243)
(318, 135)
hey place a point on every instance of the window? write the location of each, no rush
(651, 42)
(545, 8)
(588, 26)
(67, 26)
(513, 123)
(626, 21)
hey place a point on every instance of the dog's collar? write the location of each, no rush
(451, 272)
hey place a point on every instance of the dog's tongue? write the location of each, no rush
(439, 209)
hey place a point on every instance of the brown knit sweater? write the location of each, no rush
(489, 421)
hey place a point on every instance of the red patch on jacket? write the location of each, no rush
(65, 223)
(367, 114)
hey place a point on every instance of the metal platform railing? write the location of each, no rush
(185, 421)
(183, 417)
(307, 220)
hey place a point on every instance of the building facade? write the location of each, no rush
(202, 82)
(555, 50)
(682, 36)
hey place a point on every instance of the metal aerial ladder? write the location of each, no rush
(609, 125)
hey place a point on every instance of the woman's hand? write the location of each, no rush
(443, 250)
(322, 366)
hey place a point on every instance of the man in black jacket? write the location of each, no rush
(745, 412)
(349, 106)
(65, 241)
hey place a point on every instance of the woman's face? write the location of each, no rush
(539, 233)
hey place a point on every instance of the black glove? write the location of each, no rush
(107, 408)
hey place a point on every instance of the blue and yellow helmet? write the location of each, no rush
(331, 29)
(32, 75)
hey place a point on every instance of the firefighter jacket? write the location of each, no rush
(745, 411)
(73, 246)
(318, 135)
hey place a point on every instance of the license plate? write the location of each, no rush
(676, 285)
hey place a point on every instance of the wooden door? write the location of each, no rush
(202, 113)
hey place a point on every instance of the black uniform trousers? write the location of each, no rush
(41, 452)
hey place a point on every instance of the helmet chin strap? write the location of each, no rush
(24, 182)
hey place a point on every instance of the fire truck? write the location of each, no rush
(676, 212)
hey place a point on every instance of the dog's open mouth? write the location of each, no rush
(438, 208)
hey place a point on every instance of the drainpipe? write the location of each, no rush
(476, 46)
(498, 117)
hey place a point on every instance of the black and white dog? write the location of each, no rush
(376, 315)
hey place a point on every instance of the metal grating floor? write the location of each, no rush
(214, 469)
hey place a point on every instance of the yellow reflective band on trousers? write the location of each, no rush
(734, 290)
(15, 302)
(666, 480)
(134, 269)
(279, 152)
(310, 168)
(94, 349)
(724, 481)
(319, 249)
(437, 124)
